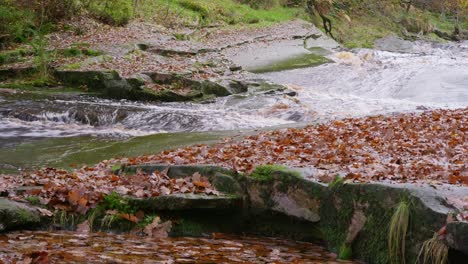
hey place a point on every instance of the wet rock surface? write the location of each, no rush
(284, 204)
(187, 202)
(14, 215)
(457, 236)
(394, 44)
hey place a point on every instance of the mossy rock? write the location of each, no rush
(15, 216)
(95, 80)
(172, 96)
(274, 224)
(209, 87)
(377, 203)
(457, 236)
(285, 192)
(218, 88)
(107, 83)
(265, 87)
(185, 202)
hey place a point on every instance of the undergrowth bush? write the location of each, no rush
(207, 12)
(49, 10)
(114, 12)
(265, 4)
(14, 22)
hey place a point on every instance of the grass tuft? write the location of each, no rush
(265, 172)
(433, 251)
(345, 253)
(397, 233)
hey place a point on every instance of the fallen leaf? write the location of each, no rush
(157, 229)
(83, 228)
(45, 212)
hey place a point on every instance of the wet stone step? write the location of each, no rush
(187, 202)
(14, 215)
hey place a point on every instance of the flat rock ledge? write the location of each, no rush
(15, 215)
(179, 86)
(341, 215)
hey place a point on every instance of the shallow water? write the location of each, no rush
(92, 116)
(360, 82)
(69, 247)
(367, 82)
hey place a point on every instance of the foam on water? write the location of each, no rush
(62, 118)
(361, 82)
(365, 82)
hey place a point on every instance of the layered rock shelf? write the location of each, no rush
(350, 217)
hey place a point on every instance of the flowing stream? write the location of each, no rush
(63, 129)
(54, 129)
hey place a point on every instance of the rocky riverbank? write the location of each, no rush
(371, 207)
(354, 220)
(148, 63)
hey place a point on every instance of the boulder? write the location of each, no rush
(457, 236)
(108, 83)
(286, 193)
(377, 204)
(394, 43)
(14, 216)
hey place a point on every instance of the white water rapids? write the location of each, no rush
(361, 82)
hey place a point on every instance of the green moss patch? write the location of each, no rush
(297, 62)
(228, 12)
(266, 172)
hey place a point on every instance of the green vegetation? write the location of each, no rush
(72, 66)
(338, 180)
(109, 220)
(67, 220)
(397, 233)
(205, 12)
(354, 23)
(265, 172)
(345, 253)
(188, 227)
(115, 201)
(114, 12)
(13, 55)
(25, 215)
(148, 219)
(14, 22)
(76, 51)
(34, 200)
(360, 23)
(42, 56)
